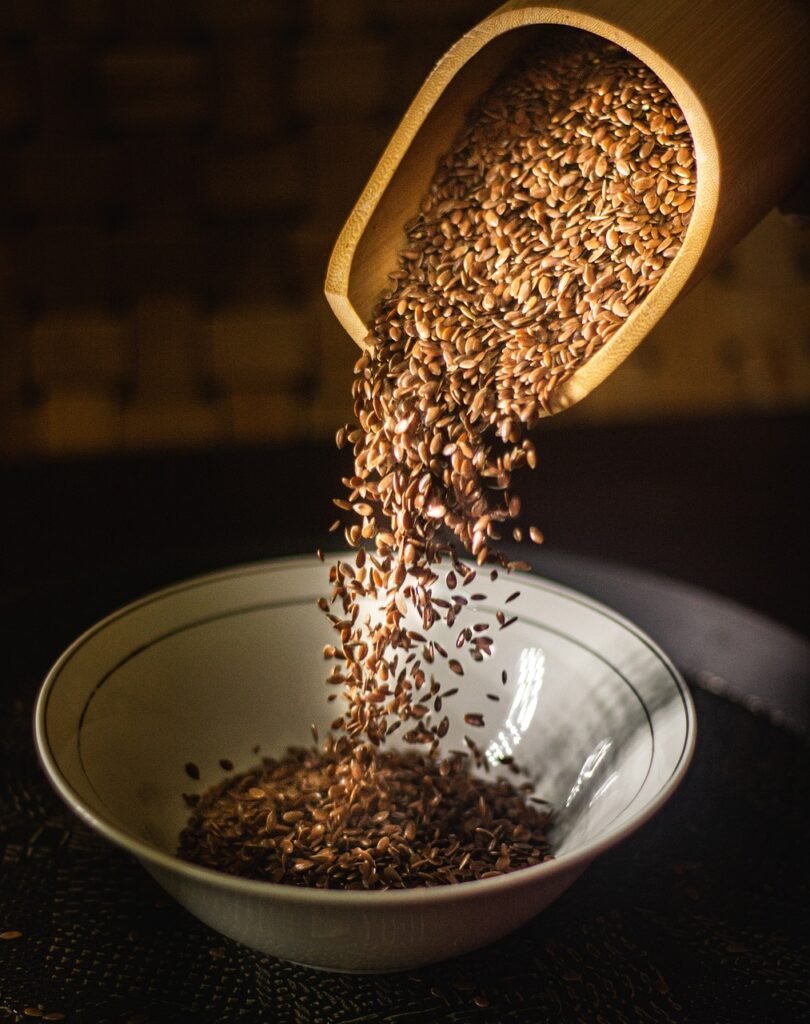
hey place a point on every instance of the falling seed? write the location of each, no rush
(491, 306)
(192, 770)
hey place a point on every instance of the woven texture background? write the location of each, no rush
(172, 176)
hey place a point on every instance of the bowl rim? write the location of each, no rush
(151, 856)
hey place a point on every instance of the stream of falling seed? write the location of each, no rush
(554, 213)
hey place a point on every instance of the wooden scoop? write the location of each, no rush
(737, 68)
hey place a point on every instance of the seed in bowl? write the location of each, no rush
(313, 819)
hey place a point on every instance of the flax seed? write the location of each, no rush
(554, 213)
(416, 814)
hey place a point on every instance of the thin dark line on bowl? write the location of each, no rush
(557, 589)
(207, 621)
(578, 643)
(562, 591)
(207, 580)
(269, 605)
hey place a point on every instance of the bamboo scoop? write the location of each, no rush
(738, 70)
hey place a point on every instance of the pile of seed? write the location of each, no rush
(313, 819)
(555, 212)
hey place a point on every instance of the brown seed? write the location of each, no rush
(404, 866)
(507, 283)
(10, 935)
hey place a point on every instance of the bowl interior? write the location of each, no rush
(593, 712)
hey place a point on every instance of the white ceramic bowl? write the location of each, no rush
(592, 709)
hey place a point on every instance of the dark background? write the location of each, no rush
(172, 176)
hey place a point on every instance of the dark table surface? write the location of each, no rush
(701, 916)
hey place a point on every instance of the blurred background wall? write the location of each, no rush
(172, 176)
